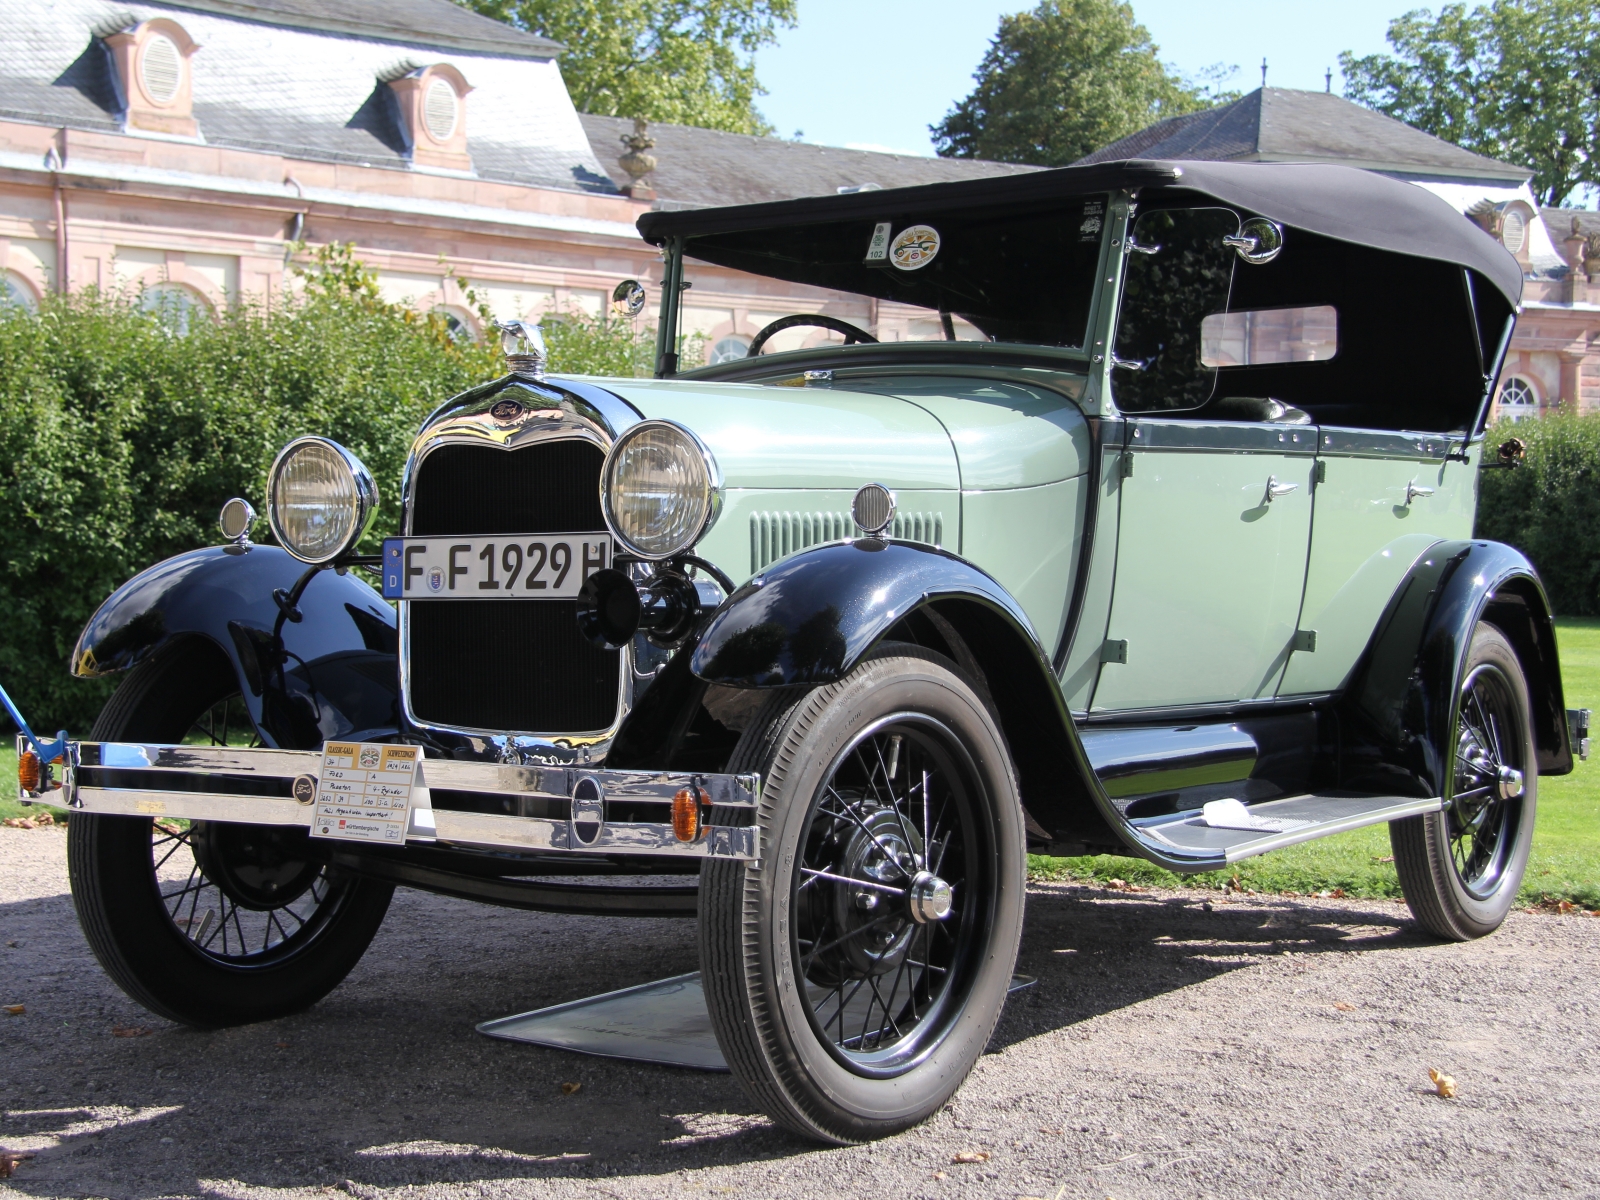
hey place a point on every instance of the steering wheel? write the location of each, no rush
(852, 335)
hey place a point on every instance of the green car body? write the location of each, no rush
(1170, 555)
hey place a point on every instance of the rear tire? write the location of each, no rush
(209, 923)
(1460, 868)
(854, 1010)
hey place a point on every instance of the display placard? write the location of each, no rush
(364, 792)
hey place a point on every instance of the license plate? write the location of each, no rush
(530, 566)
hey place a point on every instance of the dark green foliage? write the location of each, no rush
(120, 440)
(1549, 508)
(1511, 79)
(689, 62)
(1062, 80)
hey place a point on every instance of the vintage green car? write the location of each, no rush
(1168, 554)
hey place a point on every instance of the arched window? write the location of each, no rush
(1518, 400)
(176, 305)
(728, 349)
(15, 292)
(457, 322)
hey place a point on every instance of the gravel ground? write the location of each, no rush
(1175, 1045)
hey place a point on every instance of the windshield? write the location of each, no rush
(1024, 276)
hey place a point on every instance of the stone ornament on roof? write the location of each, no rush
(154, 77)
(637, 160)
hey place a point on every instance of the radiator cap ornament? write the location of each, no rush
(523, 345)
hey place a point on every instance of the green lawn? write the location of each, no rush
(1566, 845)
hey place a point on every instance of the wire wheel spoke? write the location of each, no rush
(220, 884)
(879, 975)
(1489, 740)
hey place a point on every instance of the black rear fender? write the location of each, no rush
(332, 674)
(1400, 705)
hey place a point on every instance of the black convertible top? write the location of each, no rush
(1343, 203)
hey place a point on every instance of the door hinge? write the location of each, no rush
(1305, 641)
(1322, 471)
(1115, 650)
(1125, 465)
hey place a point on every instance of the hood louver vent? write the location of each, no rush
(775, 535)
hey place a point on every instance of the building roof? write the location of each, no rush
(1284, 125)
(286, 84)
(704, 168)
(435, 23)
(1561, 221)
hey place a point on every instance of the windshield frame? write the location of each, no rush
(676, 252)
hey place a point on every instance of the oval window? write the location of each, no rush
(1515, 231)
(440, 109)
(160, 68)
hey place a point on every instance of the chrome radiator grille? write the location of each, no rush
(507, 665)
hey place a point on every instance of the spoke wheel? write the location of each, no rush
(1489, 781)
(210, 923)
(891, 883)
(855, 971)
(1460, 868)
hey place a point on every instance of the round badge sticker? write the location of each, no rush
(914, 248)
(436, 578)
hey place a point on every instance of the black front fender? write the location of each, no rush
(1402, 701)
(332, 674)
(810, 618)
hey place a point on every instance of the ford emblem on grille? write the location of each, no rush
(507, 411)
(588, 811)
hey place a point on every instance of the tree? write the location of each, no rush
(1517, 80)
(683, 61)
(1061, 81)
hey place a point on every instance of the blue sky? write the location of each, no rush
(877, 73)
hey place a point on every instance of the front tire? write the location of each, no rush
(1460, 868)
(856, 970)
(209, 923)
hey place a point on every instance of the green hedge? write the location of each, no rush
(120, 439)
(1549, 508)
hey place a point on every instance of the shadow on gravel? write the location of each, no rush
(1094, 951)
(385, 1083)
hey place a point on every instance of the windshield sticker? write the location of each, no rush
(1093, 218)
(914, 248)
(878, 247)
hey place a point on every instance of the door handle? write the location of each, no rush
(1276, 489)
(1414, 490)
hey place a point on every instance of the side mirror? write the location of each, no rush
(1511, 453)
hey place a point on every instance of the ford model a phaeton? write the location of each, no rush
(1159, 544)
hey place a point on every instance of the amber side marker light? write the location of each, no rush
(28, 771)
(687, 825)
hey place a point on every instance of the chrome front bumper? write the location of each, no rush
(256, 787)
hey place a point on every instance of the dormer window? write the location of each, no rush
(433, 116)
(155, 77)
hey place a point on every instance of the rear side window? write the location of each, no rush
(1258, 337)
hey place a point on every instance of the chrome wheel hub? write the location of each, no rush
(929, 898)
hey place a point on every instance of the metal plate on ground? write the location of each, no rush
(662, 1022)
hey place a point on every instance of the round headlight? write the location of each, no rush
(321, 499)
(659, 489)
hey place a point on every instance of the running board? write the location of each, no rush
(1278, 823)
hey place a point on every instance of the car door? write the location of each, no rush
(1215, 511)
(1382, 499)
